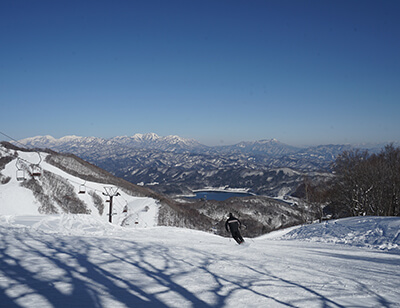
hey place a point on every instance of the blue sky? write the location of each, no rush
(220, 72)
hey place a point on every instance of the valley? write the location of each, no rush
(176, 166)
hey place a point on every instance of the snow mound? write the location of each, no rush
(373, 232)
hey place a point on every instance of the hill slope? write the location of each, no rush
(67, 184)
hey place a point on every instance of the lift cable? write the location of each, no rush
(28, 162)
(16, 141)
(40, 159)
(36, 171)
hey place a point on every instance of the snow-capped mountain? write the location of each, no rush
(79, 145)
(269, 153)
(174, 165)
(177, 165)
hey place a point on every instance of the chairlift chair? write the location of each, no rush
(36, 171)
(82, 189)
(20, 171)
(20, 175)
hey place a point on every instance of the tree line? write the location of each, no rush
(362, 184)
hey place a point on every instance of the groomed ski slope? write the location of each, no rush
(15, 199)
(81, 261)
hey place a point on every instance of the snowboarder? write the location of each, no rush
(234, 226)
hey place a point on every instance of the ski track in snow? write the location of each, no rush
(81, 261)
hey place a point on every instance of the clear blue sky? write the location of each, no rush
(221, 72)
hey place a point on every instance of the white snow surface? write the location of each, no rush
(131, 211)
(83, 261)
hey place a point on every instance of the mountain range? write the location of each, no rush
(174, 166)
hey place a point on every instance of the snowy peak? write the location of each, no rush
(53, 143)
(137, 141)
(145, 137)
(45, 140)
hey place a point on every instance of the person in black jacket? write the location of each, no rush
(234, 225)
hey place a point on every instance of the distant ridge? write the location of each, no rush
(174, 143)
(267, 147)
(147, 141)
(175, 166)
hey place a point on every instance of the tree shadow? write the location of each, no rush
(65, 263)
(52, 270)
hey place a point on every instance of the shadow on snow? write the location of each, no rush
(60, 271)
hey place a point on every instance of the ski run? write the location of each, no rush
(83, 261)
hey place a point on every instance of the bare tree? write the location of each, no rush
(367, 184)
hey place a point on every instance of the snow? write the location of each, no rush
(70, 260)
(18, 200)
(245, 174)
(373, 232)
(287, 171)
(82, 261)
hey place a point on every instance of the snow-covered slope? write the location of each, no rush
(56, 191)
(374, 232)
(80, 261)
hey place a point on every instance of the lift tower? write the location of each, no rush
(110, 192)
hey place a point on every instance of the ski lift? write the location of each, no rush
(36, 170)
(20, 175)
(20, 171)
